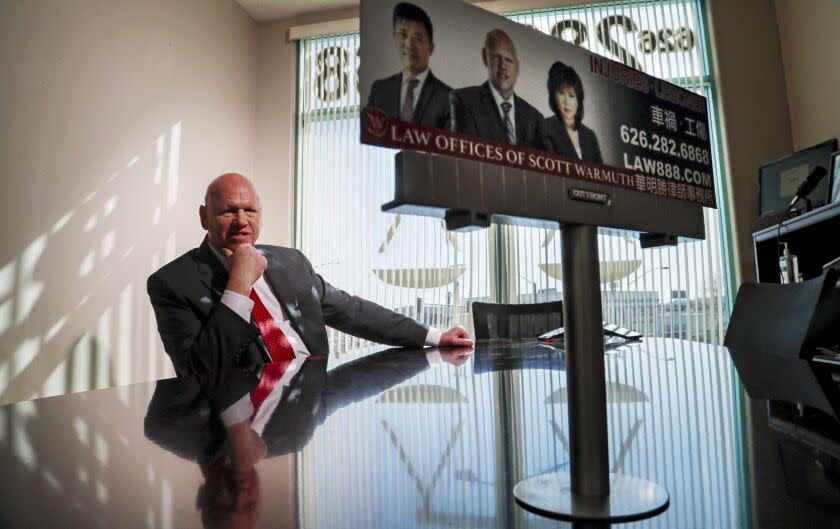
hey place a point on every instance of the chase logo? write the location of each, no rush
(376, 122)
(584, 195)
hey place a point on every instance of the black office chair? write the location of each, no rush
(530, 320)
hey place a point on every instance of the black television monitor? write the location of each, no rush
(779, 179)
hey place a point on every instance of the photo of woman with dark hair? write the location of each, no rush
(563, 133)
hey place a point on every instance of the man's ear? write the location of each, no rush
(202, 214)
(484, 56)
(431, 47)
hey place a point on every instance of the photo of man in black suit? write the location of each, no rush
(492, 110)
(414, 95)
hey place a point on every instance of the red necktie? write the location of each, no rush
(278, 345)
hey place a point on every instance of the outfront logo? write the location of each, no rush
(586, 195)
(376, 122)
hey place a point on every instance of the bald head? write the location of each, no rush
(498, 37)
(223, 183)
(499, 55)
(232, 212)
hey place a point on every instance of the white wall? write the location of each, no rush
(275, 138)
(810, 39)
(775, 63)
(752, 106)
(776, 71)
(115, 115)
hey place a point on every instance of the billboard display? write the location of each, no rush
(449, 78)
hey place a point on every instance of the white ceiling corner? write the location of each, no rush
(268, 10)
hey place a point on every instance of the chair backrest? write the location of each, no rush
(516, 321)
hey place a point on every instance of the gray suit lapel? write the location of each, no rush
(425, 96)
(522, 116)
(564, 137)
(393, 94)
(210, 270)
(500, 130)
(278, 278)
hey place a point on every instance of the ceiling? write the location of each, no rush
(266, 10)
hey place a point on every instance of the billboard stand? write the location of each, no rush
(589, 491)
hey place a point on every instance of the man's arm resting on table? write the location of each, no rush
(365, 319)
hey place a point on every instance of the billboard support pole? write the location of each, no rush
(584, 342)
(589, 491)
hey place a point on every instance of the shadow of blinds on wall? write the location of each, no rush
(414, 266)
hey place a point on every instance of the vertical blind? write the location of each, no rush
(413, 265)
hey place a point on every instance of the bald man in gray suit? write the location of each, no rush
(203, 300)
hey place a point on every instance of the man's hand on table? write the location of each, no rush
(455, 337)
(455, 346)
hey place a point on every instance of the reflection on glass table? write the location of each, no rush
(384, 438)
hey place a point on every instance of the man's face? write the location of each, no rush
(414, 45)
(232, 215)
(231, 498)
(502, 67)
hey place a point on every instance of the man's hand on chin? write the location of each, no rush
(246, 266)
(455, 337)
(246, 446)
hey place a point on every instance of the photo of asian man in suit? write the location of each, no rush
(413, 95)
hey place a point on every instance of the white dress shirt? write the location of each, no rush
(242, 305)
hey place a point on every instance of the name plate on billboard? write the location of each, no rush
(449, 78)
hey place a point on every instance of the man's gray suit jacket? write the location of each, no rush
(202, 335)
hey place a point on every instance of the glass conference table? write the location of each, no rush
(383, 439)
